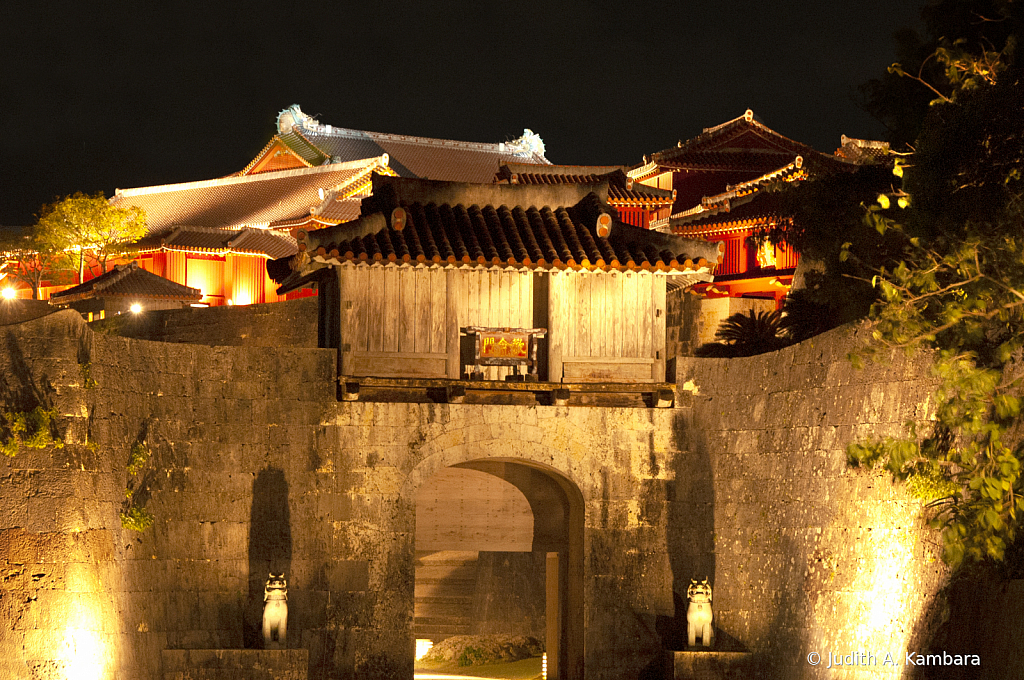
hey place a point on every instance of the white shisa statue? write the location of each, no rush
(698, 614)
(275, 612)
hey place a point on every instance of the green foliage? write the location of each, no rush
(87, 380)
(24, 258)
(133, 515)
(32, 429)
(81, 226)
(745, 335)
(137, 458)
(956, 287)
(963, 44)
(471, 655)
(136, 519)
(806, 315)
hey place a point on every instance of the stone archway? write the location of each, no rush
(522, 524)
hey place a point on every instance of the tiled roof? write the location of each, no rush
(742, 214)
(738, 194)
(622, 191)
(128, 280)
(440, 159)
(526, 230)
(862, 150)
(743, 143)
(249, 200)
(338, 209)
(266, 242)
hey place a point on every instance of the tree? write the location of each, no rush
(953, 282)
(24, 259)
(744, 335)
(900, 98)
(82, 226)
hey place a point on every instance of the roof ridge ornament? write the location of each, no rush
(528, 144)
(291, 117)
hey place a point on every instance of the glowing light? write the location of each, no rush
(136, 308)
(422, 647)
(9, 293)
(886, 598)
(243, 298)
(83, 653)
(883, 201)
(544, 666)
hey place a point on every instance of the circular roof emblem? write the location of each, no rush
(398, 219)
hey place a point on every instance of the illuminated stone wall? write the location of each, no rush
(808, 555)
(60, 554)
(255, 467)
(290, 323)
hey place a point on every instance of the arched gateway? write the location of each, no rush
(499, 547)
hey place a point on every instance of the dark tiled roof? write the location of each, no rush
(622, 191)
(738, 194)
(128, 280)
(237, 201)
(338, 209)
(516, 233)
(743, 143)
(863, 151)
(267, 242)
(424, 157)
(737, 215)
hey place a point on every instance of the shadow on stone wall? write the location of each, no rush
(270, 550)
(17, 387)
(691, 528)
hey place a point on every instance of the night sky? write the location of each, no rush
(102, 95)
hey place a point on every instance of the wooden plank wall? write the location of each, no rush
(607, 326)
(498, 298)
(393, 321)
(405, 321)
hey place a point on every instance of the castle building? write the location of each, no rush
(720, 179)
(216, 235)
(429, 263)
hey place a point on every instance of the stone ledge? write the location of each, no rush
(238, 664)
(713, 665)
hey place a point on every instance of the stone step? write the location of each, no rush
(437, 629)
(441, 609)
(464, 600)
(444, 588)
(440, 572)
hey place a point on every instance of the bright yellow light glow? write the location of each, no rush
(883, 201)
(885, 599)
(9, 293)
(243, 299)
(136, 308)
(544, 666)
(422, 647)
(83, 652)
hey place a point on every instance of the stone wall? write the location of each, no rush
(692, 320)
(79, 592)
(255, 467)
(289, 323)
(808, 554)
